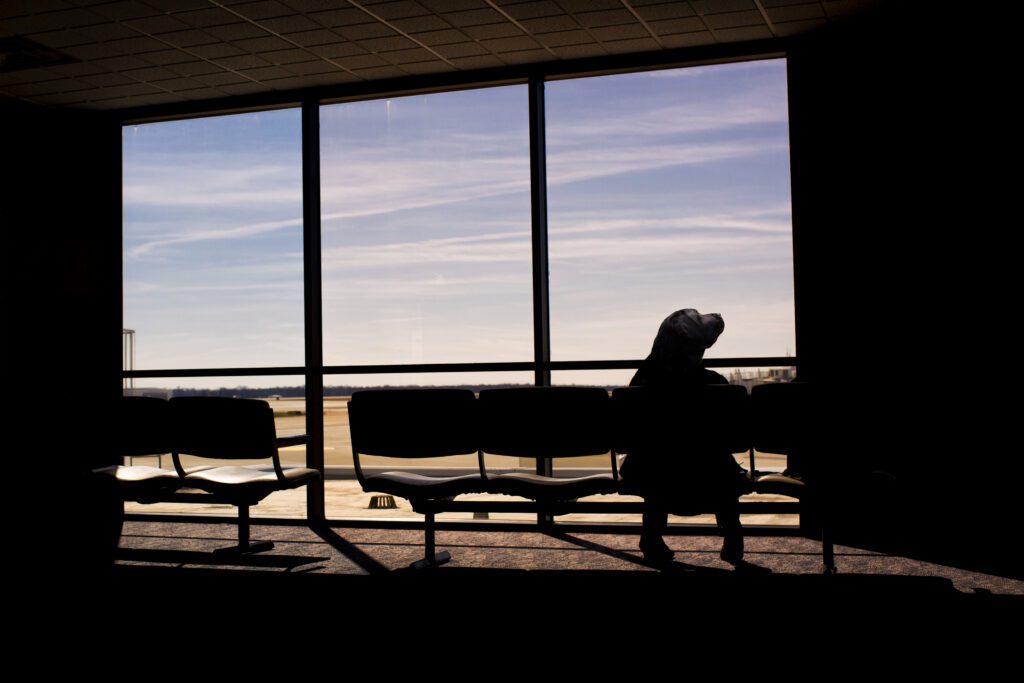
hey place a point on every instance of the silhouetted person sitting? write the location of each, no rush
(698, 481)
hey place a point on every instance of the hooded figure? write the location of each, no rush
(678, 351)
(669, 484)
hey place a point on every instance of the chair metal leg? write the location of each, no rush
(430, 557)
(244, 547)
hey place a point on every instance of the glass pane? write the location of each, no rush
(670, 190)
(213, 241)
(426, 229)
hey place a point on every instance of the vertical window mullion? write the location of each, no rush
(539, 224)
(313, 305)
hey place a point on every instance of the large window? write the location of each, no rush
(664, 190)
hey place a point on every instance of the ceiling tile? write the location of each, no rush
(216, 51)
(335, 50)
(744, 33)
(122, 11)
(135, 46)
(263, 44)
(695, 39)
(624, 32)
(266, 73)
(792, 28)
(152, 73)
(579, 51)
(237, 31)
(366, 31)
(504, 30)
(531, 10)
(175, 84)
(291, 24)
(202, 93)
(717, 6)
(16, 8)
(605, 18)
(525, 56)
(195, 68)
(575, 6)
(473, 17)
(161, 24)
(428, 67)
(734, 20)
(565, 38)
(290, 56)
(242, 62)
(399, 10)
(189, 38)
(263, 9)
(177, 5)
(340, 17)
(510, 44)
(386, 44)
(414, 56)
(452, 5)
(379, 73)
(636, 45)
(110, 79)
(670, 26)
(318, 37)
(457, 50)
(221, 79)
(317, 66)
(204, 18)
(550, 24)
(124, 63)
(242, 88)
(445, 37)
(671, 10)
(796, 12)
(420, 24)
(361, 62)
(477, 62)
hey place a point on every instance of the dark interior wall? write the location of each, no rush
(896, 199)
(61, 217)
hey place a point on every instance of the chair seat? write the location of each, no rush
(134, 481)
(411, 485)
(780, 484)
(540, 487)
(256, 481)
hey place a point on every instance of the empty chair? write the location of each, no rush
(415, 423)
(233, 429)
(143, 429)
(787, 419)
(547, 422)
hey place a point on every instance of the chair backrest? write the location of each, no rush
(711, 418)
(413, 423)
(144, 426)
(545, 422)
(225, 428)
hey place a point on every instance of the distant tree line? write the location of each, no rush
(300, 391)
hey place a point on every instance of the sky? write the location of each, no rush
(666, 190)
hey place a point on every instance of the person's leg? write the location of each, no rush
(652, 544)
(732, 534)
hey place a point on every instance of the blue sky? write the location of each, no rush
(667, 190)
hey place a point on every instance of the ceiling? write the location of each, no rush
(120, 54)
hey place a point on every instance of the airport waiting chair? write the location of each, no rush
(234, 429)
(542, 423)
(418, 424)
(143, 429)
(787, 419)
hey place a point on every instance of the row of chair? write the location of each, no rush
(565, 422)
(205, 427)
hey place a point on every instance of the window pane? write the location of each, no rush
(670, 190)
(213, 241)
(426, 229)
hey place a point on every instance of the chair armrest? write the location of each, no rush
(297, 440)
